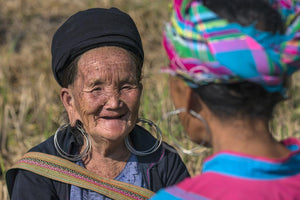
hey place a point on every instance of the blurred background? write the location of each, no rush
(30, 108)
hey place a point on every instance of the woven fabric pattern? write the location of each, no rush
(65, 171)
(204, 48)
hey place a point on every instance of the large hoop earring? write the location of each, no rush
(66, 155)
(153, 148)
(199, 149)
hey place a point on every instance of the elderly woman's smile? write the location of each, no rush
(97, 59)
(106, 93)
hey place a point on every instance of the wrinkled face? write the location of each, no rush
(106, 93)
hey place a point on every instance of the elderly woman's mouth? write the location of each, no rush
(113, 117)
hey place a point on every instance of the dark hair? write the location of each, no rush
(245, 99)
(69, 73)
(247, 12)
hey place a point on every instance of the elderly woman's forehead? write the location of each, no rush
(105, 56)
(100, 73)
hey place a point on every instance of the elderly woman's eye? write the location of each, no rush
(96, 90)
(128, 87)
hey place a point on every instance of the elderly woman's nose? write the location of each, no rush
(113, 100)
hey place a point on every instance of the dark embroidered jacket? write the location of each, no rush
(161, 169)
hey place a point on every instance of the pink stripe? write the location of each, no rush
(177, 5)
(291, 50)
(286, 3)
(272, 80)
(261, 62)
(216, 186)
(291, 141)
(228, 45)
(148, 170)
(253, 44)
(224, 32)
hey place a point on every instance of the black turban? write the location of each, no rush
(90, 29)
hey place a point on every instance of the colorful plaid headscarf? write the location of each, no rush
(204, 48)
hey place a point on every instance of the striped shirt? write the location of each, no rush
(230, 175)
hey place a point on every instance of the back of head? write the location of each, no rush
(234, 40)
(245, 99)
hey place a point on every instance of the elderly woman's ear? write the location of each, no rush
(67, 98)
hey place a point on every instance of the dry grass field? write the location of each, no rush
(30, 109)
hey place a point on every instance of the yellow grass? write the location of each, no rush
(30, 109)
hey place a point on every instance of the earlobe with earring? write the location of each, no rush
(66, 155)
(156, 145)
(200, 148)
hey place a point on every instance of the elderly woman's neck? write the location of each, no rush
(107, 159)
(109, 149)
(245, 136)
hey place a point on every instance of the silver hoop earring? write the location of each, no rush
(67, 155)
(153, 148)
(199, 149)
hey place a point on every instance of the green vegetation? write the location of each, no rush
(30, 108)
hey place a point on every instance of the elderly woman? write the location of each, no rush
(231, 61)
(97, 59)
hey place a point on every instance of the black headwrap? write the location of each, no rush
(90, 29)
